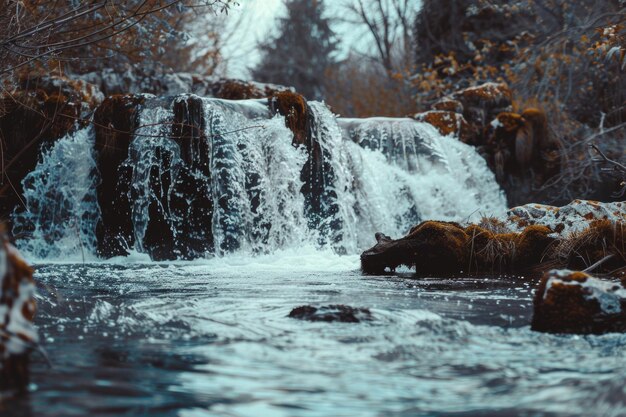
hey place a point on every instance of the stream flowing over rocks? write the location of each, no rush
(198, 255)
(202, 176)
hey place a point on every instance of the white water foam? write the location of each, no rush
(406, 172)
(255, 180)
(60, 209)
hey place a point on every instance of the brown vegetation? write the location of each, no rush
(562, 57)
(602, 240)
(236, 90)
(115, 121)
(447, 123)
(78, 36)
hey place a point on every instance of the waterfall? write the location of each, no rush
(60, 209)
(255, 181)
(154, 161)
(406, 172)
(234, 181)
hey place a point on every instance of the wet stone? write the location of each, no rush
(331, 313)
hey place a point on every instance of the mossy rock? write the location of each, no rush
(575, 302)
(294, 108)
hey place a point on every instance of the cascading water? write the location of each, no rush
(405, 171)
(60, 209)
(255, 180)
(241, 184)
(152, 157)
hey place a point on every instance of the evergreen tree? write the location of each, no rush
(302, 52)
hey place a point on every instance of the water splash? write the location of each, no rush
(405, 171)
(154, 160)
(60, 209)
(255, 180)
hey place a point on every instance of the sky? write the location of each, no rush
(255, 21)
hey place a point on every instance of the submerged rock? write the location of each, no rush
(575, 302)
(17, 310)
(332, 313)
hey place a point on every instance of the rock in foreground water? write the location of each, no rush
(17, 309)
(331, 313)
(575, 302)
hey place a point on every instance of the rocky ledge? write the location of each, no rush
(530, 239)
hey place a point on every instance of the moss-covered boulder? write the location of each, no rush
(580, 235)
(447, 123)
(574, 302)
(294, 108)
(432, 247)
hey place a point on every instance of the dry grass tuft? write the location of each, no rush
(603, 238)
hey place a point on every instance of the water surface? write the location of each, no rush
(212, 338)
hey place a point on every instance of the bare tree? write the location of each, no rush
(36, 31)
(389, 23)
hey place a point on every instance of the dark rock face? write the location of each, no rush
(186, 195)
(482, 103)
(575, 302)
(468, 112)
(317, 172)
(332, 313)
(115, 120)
(192, 201)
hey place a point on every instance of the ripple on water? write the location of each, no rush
(202, 339)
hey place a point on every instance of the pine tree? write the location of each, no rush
(302, 52)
